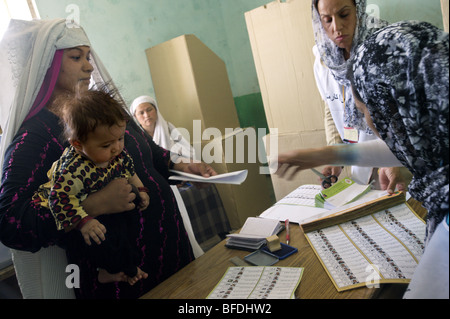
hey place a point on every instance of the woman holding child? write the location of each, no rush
(41, 60)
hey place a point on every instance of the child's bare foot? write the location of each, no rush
(105, 277)
(140, 275)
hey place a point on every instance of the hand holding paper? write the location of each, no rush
(341, 193)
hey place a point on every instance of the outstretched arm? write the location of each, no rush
(369, 154)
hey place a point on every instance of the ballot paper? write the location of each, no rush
(258, 283)
(299, 205)
(384, 246)
(235, 178)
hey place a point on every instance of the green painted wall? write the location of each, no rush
(249, 111)
(397, 10)
(121, 30)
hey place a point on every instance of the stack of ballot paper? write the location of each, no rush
(254, 233)
(341, 193)
(299, 206)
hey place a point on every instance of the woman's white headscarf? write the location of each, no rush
(165, 135)
(333, 56)
(27, 51)
(161, 136)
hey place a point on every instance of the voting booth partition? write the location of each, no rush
(194, 93)
(282, 39)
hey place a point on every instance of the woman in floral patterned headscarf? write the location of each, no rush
(400, 80)
(401, 73)
(339, 27)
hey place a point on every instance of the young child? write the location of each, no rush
(95, 127)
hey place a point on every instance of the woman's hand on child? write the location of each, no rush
(116, 197)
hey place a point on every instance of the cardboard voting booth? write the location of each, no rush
(191, 83)
(192, 86)
(282, 40)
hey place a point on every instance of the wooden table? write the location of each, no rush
(198, 279)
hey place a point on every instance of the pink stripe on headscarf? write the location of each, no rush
(47, 86)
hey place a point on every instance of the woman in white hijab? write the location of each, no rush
(34, 66)
(165, 134)
(27, 63)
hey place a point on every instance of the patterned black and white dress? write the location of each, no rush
(401, 73)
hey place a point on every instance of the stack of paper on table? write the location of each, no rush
(254, 233)
(299, 205)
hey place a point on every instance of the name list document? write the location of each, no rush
(298, 206)
(258, 283)
(384, 247)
